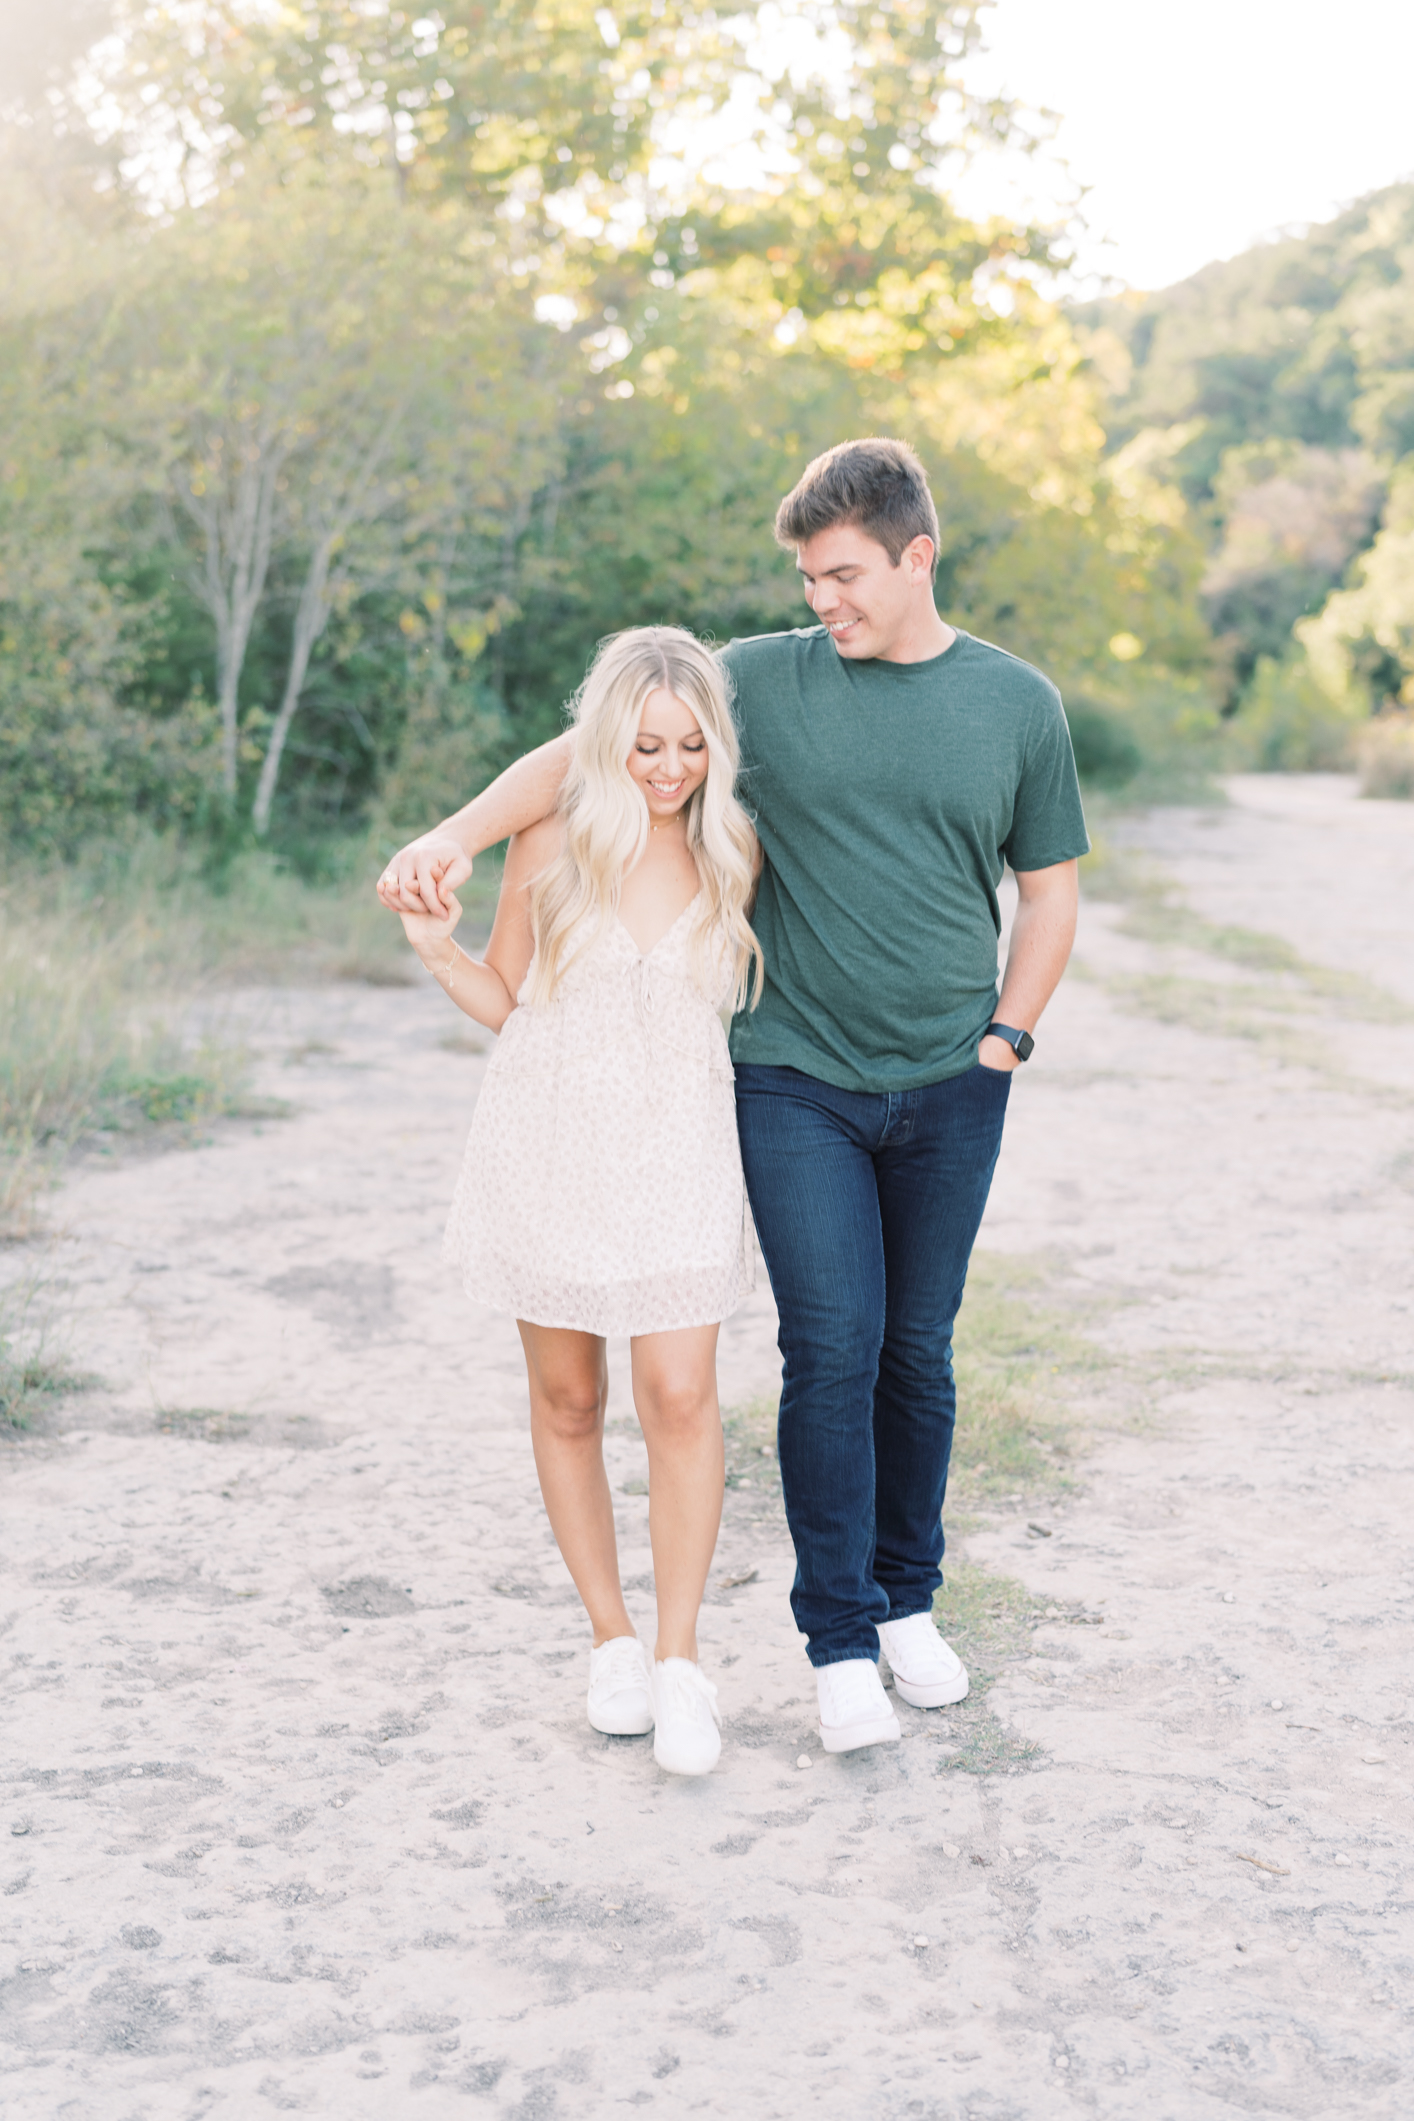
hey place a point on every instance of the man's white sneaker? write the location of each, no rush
(620, 1696)
(926, 1672)
(686, 1740)
(854, 1709)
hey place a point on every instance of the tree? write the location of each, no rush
(340, 441)
(1292, 517)
(1362, 644)
(1278, 388)
(487, 101)
(79, 743)
(316, 382)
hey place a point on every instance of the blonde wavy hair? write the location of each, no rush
(606, 816)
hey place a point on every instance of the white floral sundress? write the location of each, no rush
(602, 1186)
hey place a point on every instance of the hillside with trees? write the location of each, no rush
(359, 370)
(1275, 391)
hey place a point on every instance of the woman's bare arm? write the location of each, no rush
(486, 990)
(422, 876)
(512, 943)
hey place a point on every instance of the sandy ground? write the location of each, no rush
(301, 1813)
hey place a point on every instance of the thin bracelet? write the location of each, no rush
(448, 971)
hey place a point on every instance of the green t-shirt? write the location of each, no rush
(887, 797)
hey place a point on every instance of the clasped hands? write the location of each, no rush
(419, 884)
(422, 877)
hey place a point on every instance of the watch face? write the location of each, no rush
(1025, 1046)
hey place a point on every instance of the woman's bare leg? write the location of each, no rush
(569, 1384)
(675, 1392)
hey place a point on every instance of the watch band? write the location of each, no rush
(1022, 1044)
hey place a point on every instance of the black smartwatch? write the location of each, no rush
(1022, 1044)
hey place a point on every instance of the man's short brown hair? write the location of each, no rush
(878, 485)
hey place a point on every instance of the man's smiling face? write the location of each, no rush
(854, 589)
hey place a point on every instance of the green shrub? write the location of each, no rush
(1385, 749)
(1289, 723)
(1106, 754)
(86, 1044)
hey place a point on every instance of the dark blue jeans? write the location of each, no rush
(866, 1206)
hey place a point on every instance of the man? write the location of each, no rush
(894, 764)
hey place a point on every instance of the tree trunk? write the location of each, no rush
(312, 612)
(229, 659)
(311, 617)
(238, 529)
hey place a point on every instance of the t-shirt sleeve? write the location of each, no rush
(733, 664)
(1048, 818)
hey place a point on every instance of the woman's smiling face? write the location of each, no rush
(669, 755)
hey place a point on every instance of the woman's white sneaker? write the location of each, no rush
(686, 1739)
(926, 1672)
(854, 1709)
(620, 1694)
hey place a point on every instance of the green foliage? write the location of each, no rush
(1286, 1005)
(86, 1037)
(1305, 339)
(1106, 754)
(77, 741)
(989, 1620)
(322, 487)
(1362, 645)
(1290, 724)
(517, 101)
(1386, 754)
(1012, 1350)
(105, 969)
(1277, 390)
(32, 1369)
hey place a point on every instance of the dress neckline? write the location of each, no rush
(644, 955)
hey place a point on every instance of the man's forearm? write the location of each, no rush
(1041, 937)
(517, 798)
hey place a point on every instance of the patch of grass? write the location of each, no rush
(1155, 912)
(749, 1433)
(1019, 1358)
(1216, 1009)
(86, 1045)
(205, 1424)
(101, 962)
(988, 1620)
(32, 1370)
(1171, 748)
(1013, 1356)
(1282, 984)
(1016, 1358)
(1267, 1017)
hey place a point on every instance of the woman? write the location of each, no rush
(602, 1190)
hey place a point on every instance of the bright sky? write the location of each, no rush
(1203, 126)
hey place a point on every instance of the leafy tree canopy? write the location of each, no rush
(1275, 391)
(371, 365)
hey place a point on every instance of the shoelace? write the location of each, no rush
(921, 1652)
(689, 1694)
(622, 1667)
(853, 1698)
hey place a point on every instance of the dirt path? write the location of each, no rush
(300, 1810)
